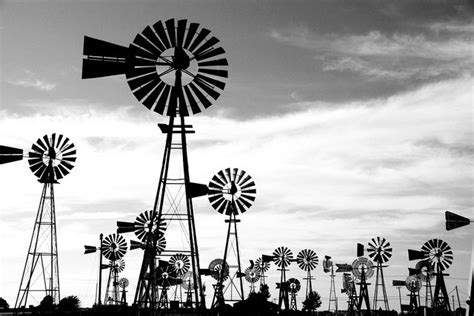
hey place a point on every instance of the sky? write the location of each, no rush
(353, 117)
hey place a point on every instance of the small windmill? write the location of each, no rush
(252, 276)
(166, 277)
(114, 247)
(362, 269)
(348, 287)
(149, 228)
(413, 285)
(180, 264)
(232, 192)
(328, 266)
(187, 284)
(307, 260)
(424, 269)
(50, 158)
(380, 251)
(439, 255)
(219, 271)
(282, 257)
(262, 265)
(123, 284)
(294, 286)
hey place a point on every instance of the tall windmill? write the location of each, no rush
(307, 260)
(328, 266)
(380, 251)
(282, 256)
(51, 158)
(232, 192)
(438, 254)
(150, 229)
(175, 69)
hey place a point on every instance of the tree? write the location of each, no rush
(47, 303)
(312, 301)
(69, 303)
(3, 304)
(264, 291)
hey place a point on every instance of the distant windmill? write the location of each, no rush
(328, 266)
(51, 158)
(282, 256)
(348, 287)
(123, 283)
(262, 264)
(187, 284)
(180, 264)
(413, 285)
(380, 251)
(165, 278)
(219, 271)
(294, 286)
(307, 260)
(114, 247)
(252, 277)
(362, 269)
(232, 192)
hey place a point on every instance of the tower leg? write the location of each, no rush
(441, 298)
(40, 276)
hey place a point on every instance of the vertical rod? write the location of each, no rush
(101, 236)
(238, 253)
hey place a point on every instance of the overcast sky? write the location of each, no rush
(353, 117)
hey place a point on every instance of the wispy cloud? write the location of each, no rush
(30, 80)
(397, 56)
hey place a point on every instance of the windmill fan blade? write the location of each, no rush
(10, 154)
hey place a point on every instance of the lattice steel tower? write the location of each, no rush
(50, 159)
(380, 251)
(176, 69)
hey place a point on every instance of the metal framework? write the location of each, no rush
(328, 266)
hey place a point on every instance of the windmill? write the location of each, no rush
(50, 158)
(362, 269)
(424, 269)
(439, 254)
(123, 284)
(165, 278)
(413, 284)
(187, 285)
(149, 228)
(180, 264)
(348, 287)
(252, 276)
(114, 247)
(232, 192)
(262, 264)
(380, 251)
(294, 286)
(307, 260)
(219, 271)
(328, 266)
(175, 69)
(282, 257)
(93, 249)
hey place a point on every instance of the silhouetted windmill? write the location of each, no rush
(440, 256)
(282, 257)
(328, 266)
(362, 269)
(123, 284)
(187, 285)
(380, 251)
(413, 285)
(294, 286)
(307, 260)
(232, 192)
(149, 228)
(219, 271)
(424, 269)
(165, 278)
(348, 287)
(262, 264)
(173, 68)
(51, 158)
(180, 264)
(252, 277)
(93, 249)
(114, 247)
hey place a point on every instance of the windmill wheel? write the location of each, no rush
(347, 283)
(180, 263)
(165, 275)
(307, 259)
(188, 281)
(426, 270)
(51, 158)
(413, 283)
(216, 266)
(148, 224)
(261, 266)
(231, 191)
(439, 253)
(379, 250)
(251, 275)
(282, 257)
(160, 52)
(294, 285)
(114, 247)
(123, 283)
(362, 264)
(117, 265)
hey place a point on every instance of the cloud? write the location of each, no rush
(30, 80)
(398, 56)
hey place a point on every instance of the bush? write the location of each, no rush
(312, 301)
(3, 304)
(69, 303)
